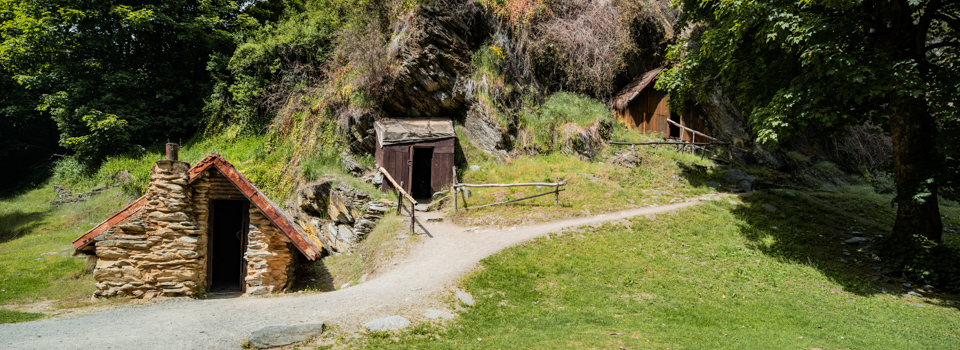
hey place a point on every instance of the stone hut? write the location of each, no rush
(642, 107)
(196, 230)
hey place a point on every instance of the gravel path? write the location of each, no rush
(428, 271)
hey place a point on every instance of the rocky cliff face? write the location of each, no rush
(431, 48)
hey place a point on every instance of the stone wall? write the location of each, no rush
(160, 252)
(269, 256)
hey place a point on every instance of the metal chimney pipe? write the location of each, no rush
(172, 151)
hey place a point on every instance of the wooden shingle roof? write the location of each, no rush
(622, 99)
(271, 210)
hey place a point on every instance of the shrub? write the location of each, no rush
(924, 261)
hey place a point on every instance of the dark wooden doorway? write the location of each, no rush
(421, 172)
(674, 130)
(226, 244)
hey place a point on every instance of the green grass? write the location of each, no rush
(10, 316)
(546, 121)
(35, 246)
(593, 187)
(388, 240)
(714, 276)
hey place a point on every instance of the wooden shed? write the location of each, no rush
(418, 153)
(642, 107)
(196, 230)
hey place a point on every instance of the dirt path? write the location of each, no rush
(412, 286)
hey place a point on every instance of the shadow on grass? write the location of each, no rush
(312, 276)
(17, 224)
(811, 228)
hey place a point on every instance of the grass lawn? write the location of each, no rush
(35, 248)
(763, 272)
(665, 176)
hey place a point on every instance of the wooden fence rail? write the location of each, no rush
(455, 190)
(402, 194)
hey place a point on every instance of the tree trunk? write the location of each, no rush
(914, 163)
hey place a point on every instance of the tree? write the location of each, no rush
(135, 68)
(790, 64)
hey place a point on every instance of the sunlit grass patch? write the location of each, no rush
(593, 187)
(717, 275)
(35, 250)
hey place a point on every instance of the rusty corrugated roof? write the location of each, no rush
(628, 93)
(273, 212)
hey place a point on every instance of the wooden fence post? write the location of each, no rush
(453, 190)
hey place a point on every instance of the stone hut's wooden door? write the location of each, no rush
(227, 229)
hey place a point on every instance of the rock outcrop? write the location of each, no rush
(585, 142)
(336, 215)
(431, 48)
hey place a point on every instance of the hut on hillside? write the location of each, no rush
(196, 230)
(642, 107)
(418, 153)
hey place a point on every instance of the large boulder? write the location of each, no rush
(274, 336)
(585, 142)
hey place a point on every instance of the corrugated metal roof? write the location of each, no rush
(273, 212)
(628, 93)
(393, 131)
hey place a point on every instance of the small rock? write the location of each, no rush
(474, 167)
(907, 285)
(422, 207)
(875, 278)
(345, 285)
(465, 298)
(856, 240)
(844, 261)
(916, 304)
(431, 314)
(856, 233)
(387, 324)
(790, 194)
(713, 185)
(732, 201)
(769, 207)
(49, 253)
(274, 336)
(914, 293)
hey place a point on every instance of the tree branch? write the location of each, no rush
(923, 24)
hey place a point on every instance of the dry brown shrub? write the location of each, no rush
(863, 145)
(586, 44)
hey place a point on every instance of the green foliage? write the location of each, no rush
(106, 133)
(142, 62)
(280, 58)
(547, 121)
(794, 65)
(924, 261)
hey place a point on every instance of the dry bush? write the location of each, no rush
(863, 146)
(589, 42)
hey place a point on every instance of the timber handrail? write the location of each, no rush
(398, 187)
(692, 131)
(667, 143)
(413, 202)
(545, 184)
(455, 188)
